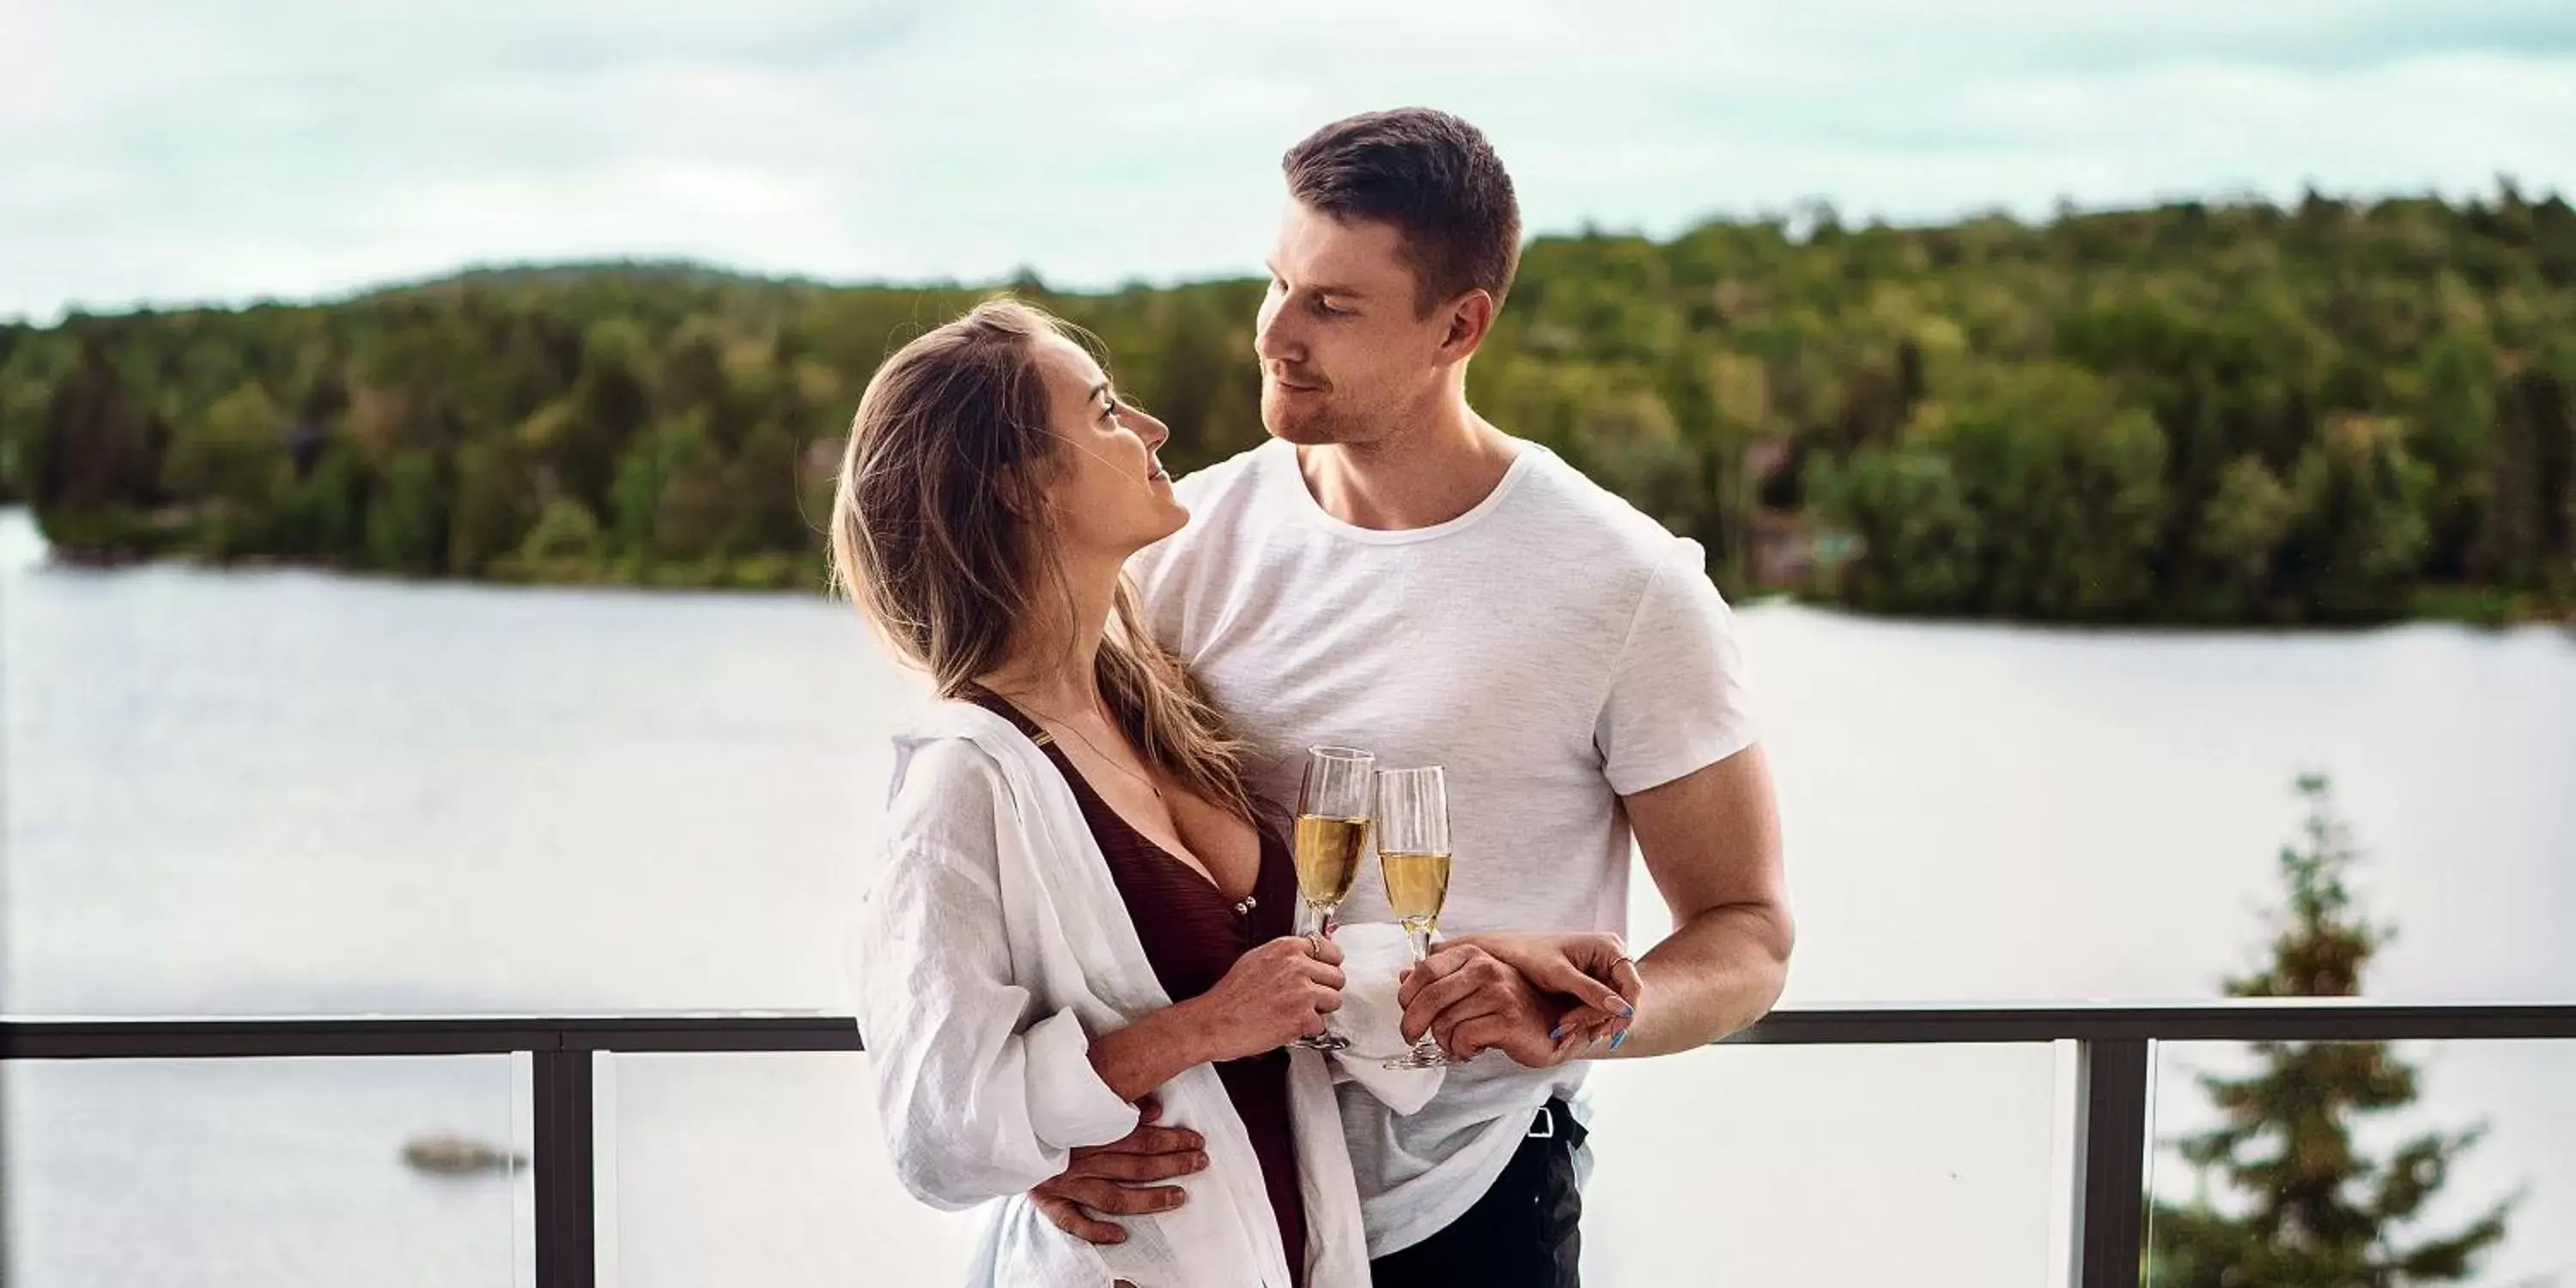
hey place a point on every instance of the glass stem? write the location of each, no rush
(1425, 1048)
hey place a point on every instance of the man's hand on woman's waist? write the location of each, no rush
(1119, 1179)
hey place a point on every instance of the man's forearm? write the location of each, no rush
(1715, 974)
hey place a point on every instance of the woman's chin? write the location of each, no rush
(1169, 517)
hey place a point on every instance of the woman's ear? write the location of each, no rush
(1025, 503)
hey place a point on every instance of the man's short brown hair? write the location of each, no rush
(1431, 175)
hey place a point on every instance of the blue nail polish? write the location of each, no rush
(1556, 1033)
(1621, 1040)
(1628, 1010)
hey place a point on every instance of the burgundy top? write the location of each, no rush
(1192, 935)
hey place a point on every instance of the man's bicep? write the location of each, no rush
(1679, 700)
(1711, 837)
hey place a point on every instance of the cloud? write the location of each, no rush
(166, 150)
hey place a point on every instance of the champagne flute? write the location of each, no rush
(1332, 834)
(1413, 856)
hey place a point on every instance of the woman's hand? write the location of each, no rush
(1273, 995)
(1278, 991)
(1591, 970)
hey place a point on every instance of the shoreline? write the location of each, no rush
(727, 577)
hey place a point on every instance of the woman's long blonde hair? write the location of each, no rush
(927, 542)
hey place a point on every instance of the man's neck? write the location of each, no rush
(1424, 476)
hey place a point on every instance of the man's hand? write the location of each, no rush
(1116, 1179)
(1590, 967)
(1474, 1001)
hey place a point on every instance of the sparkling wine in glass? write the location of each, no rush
(1413, 856)
(1332, 834)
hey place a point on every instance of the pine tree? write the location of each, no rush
(2312, 1210)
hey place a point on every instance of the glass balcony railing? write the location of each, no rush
(300, 1171)
(645, 1151)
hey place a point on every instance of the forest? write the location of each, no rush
(2333, 411)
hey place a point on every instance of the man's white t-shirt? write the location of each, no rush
(1552, 648)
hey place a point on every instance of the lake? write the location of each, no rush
(292, 792)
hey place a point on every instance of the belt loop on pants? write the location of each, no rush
(1555, 1121)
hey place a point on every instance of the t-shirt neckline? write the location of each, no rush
(1293, 480)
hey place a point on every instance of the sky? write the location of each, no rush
(178, 151)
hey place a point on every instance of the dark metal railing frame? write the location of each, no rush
(2113, 1042)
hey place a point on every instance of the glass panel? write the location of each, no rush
(1749, 1162)
(2523, 1093)
(1920, 1166)
(265, 1173)
(758, 1169)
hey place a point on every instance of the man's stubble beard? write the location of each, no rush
(1313, 428)
(1330, 426)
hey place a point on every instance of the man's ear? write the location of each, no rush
(1471, 318)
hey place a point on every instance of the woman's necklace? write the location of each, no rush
(1060, 726)
(1244, 906)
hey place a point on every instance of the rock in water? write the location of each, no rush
(450, 1155)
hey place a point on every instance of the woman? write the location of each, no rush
(1077, 907)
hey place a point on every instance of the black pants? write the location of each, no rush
(1525, 1232)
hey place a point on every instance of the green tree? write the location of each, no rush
(564, 545)
(406, 524)
(2458, 427)
(2102, 412)
(2241, 532)
(2067, 482)
(699, 511)
(26, 371)
(674, 500)
(233, 466)
(1632, 445)
(2360, 523)
(609, 406)
(690, 376)
(763, 479)
(2535, 475)
(2309, 1209)
(93, 450)
(326, 519)
(1918, 537)
(496, 503)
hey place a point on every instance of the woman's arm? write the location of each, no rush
(983, 1088)
(979, 1099)
(1152, 1051)
(1271, 996)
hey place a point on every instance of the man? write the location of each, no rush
(1393, 572)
